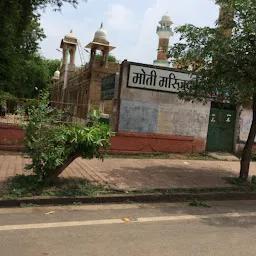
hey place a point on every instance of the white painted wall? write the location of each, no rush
(244, 121)
(160, 112)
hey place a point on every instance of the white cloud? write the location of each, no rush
(56, 25)
(131, 24)
(197, 12)
(120, 17)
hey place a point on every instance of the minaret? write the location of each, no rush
(164, 32)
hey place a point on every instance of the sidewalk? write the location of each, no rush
(138, 174)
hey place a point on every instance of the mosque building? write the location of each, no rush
(79, 88)
(140, 101)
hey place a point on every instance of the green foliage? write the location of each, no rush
(81, 188)
(243, 184)
(21, 68)
(22, 186)
(199, 204)
(12, 105)
(224, 60)
(237, 181)
(25, 205)
(33, 103)
(19, 39)
(52, 66)
(111, 58)
(94, 116)
(225, 64)
(51, 144)
(28, 186)
(253, 180)
(36, 75)
(5, 96)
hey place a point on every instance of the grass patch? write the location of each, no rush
(24, 205)
(241, 188)
(242, 185)
(138, 156)
(201, 156)
(77, 203)
(22, 186)
(196, 203)
(28, 186)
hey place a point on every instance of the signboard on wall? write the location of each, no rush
(157, 79)
(108, 86)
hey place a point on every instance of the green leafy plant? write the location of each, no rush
(253, 180)
(22, 186)
(30, 104)
(237, 181)
(77, 203)
(111, 58)
(197, 203)
(52, 145)
(26, 205)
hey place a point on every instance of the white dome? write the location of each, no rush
(101, 34)
(166, 18)
(57, 73)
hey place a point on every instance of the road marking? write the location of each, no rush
(60, 224)
(120, 221)
(196, 217)
(88, 207)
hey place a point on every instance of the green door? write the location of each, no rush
(221, 130)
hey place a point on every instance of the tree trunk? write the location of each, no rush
(53, 175)
(246, 155)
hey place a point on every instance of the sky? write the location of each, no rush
(131, 24)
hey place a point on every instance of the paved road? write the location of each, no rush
(227, 228)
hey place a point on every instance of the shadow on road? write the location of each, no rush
(221, 208)
(164, 177)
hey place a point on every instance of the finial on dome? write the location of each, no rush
(101, 25)
(71, 31)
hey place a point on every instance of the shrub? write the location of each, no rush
(52, 146)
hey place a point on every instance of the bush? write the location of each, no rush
(53, 146)
(111, 58)
(12, 105)
(31, 103)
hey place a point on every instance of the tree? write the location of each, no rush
(36, 73)
(111, 58)
(224, 59)
(52, 66)
(20, 37)
(52, 145)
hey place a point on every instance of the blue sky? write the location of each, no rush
(131, 24)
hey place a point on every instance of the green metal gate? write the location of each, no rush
(221, 130)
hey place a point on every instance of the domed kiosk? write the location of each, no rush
(100, 42)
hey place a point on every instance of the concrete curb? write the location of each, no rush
(134, 198)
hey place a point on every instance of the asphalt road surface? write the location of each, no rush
(227, 228)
